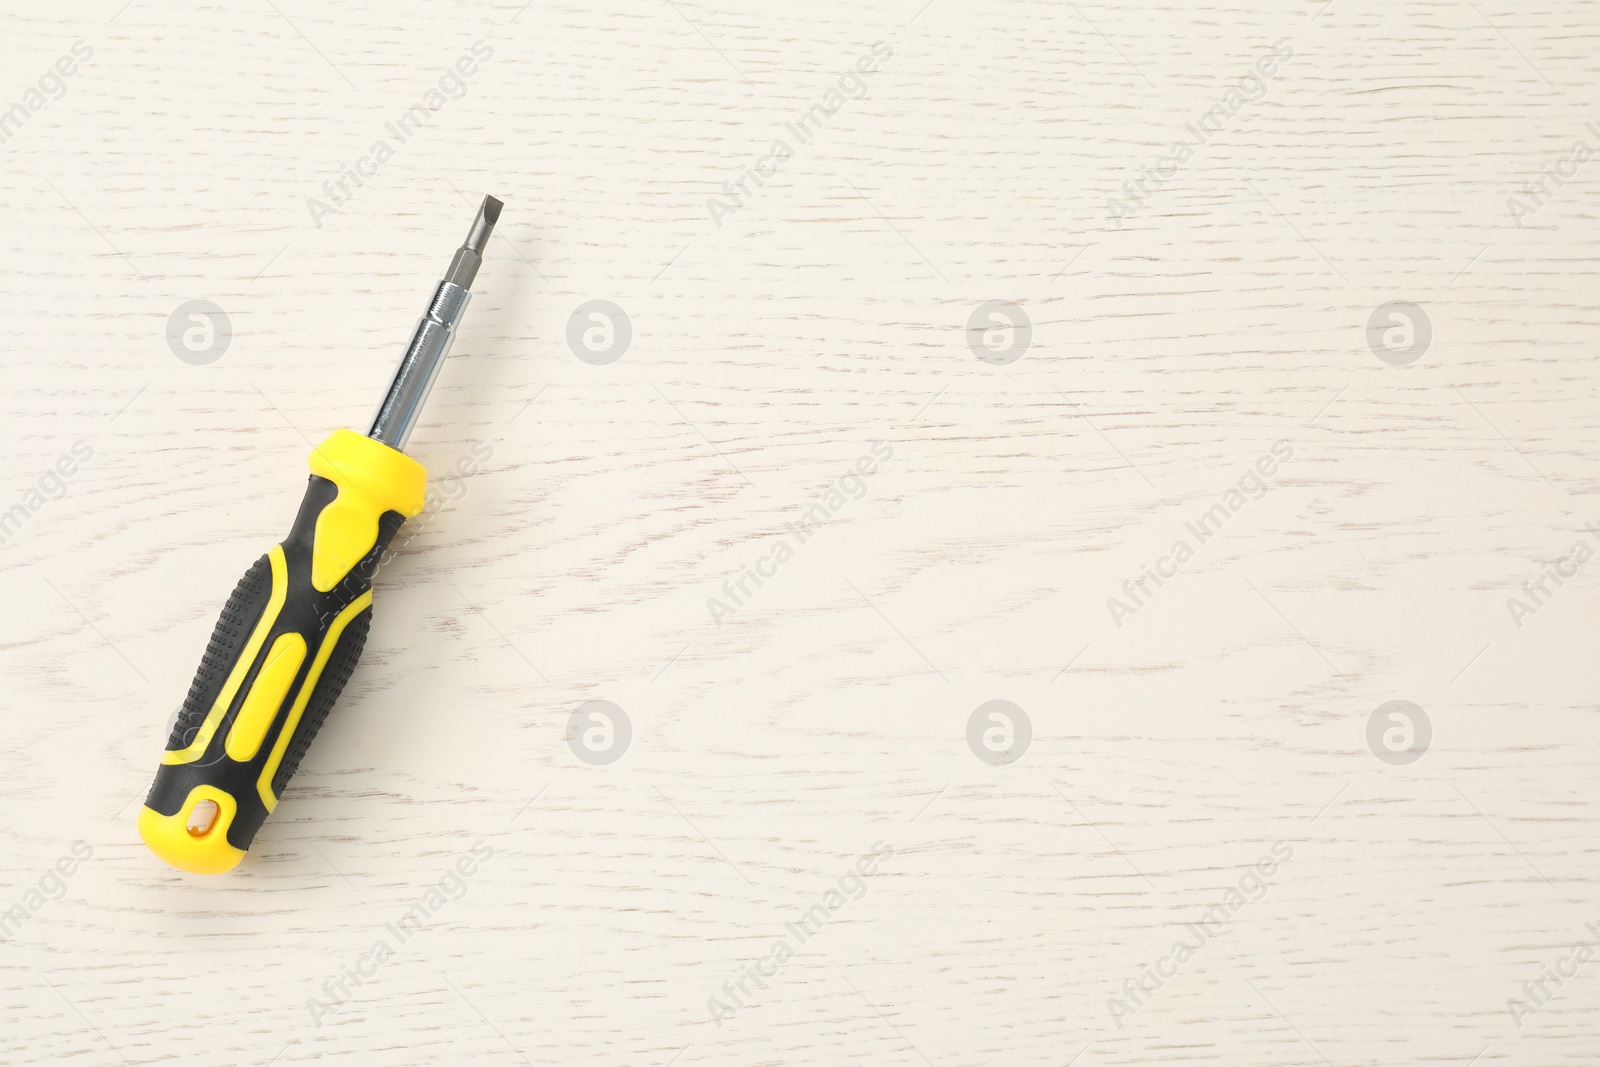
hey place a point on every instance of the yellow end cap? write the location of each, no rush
(168, 836)
(372, 479)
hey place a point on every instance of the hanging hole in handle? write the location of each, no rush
(202, 818)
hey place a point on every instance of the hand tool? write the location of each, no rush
(292, 630)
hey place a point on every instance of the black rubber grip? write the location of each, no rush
(301, 609)
(334, 676)
(239, 617)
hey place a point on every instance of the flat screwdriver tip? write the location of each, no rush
(483, 225)
(464, 268)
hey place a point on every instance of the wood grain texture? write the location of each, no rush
(828, 313)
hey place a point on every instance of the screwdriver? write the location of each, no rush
(293, 629)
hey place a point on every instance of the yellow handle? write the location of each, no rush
(284, 647)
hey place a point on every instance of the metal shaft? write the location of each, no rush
(430, 342)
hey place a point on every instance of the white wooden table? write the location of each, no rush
(1171, 316)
